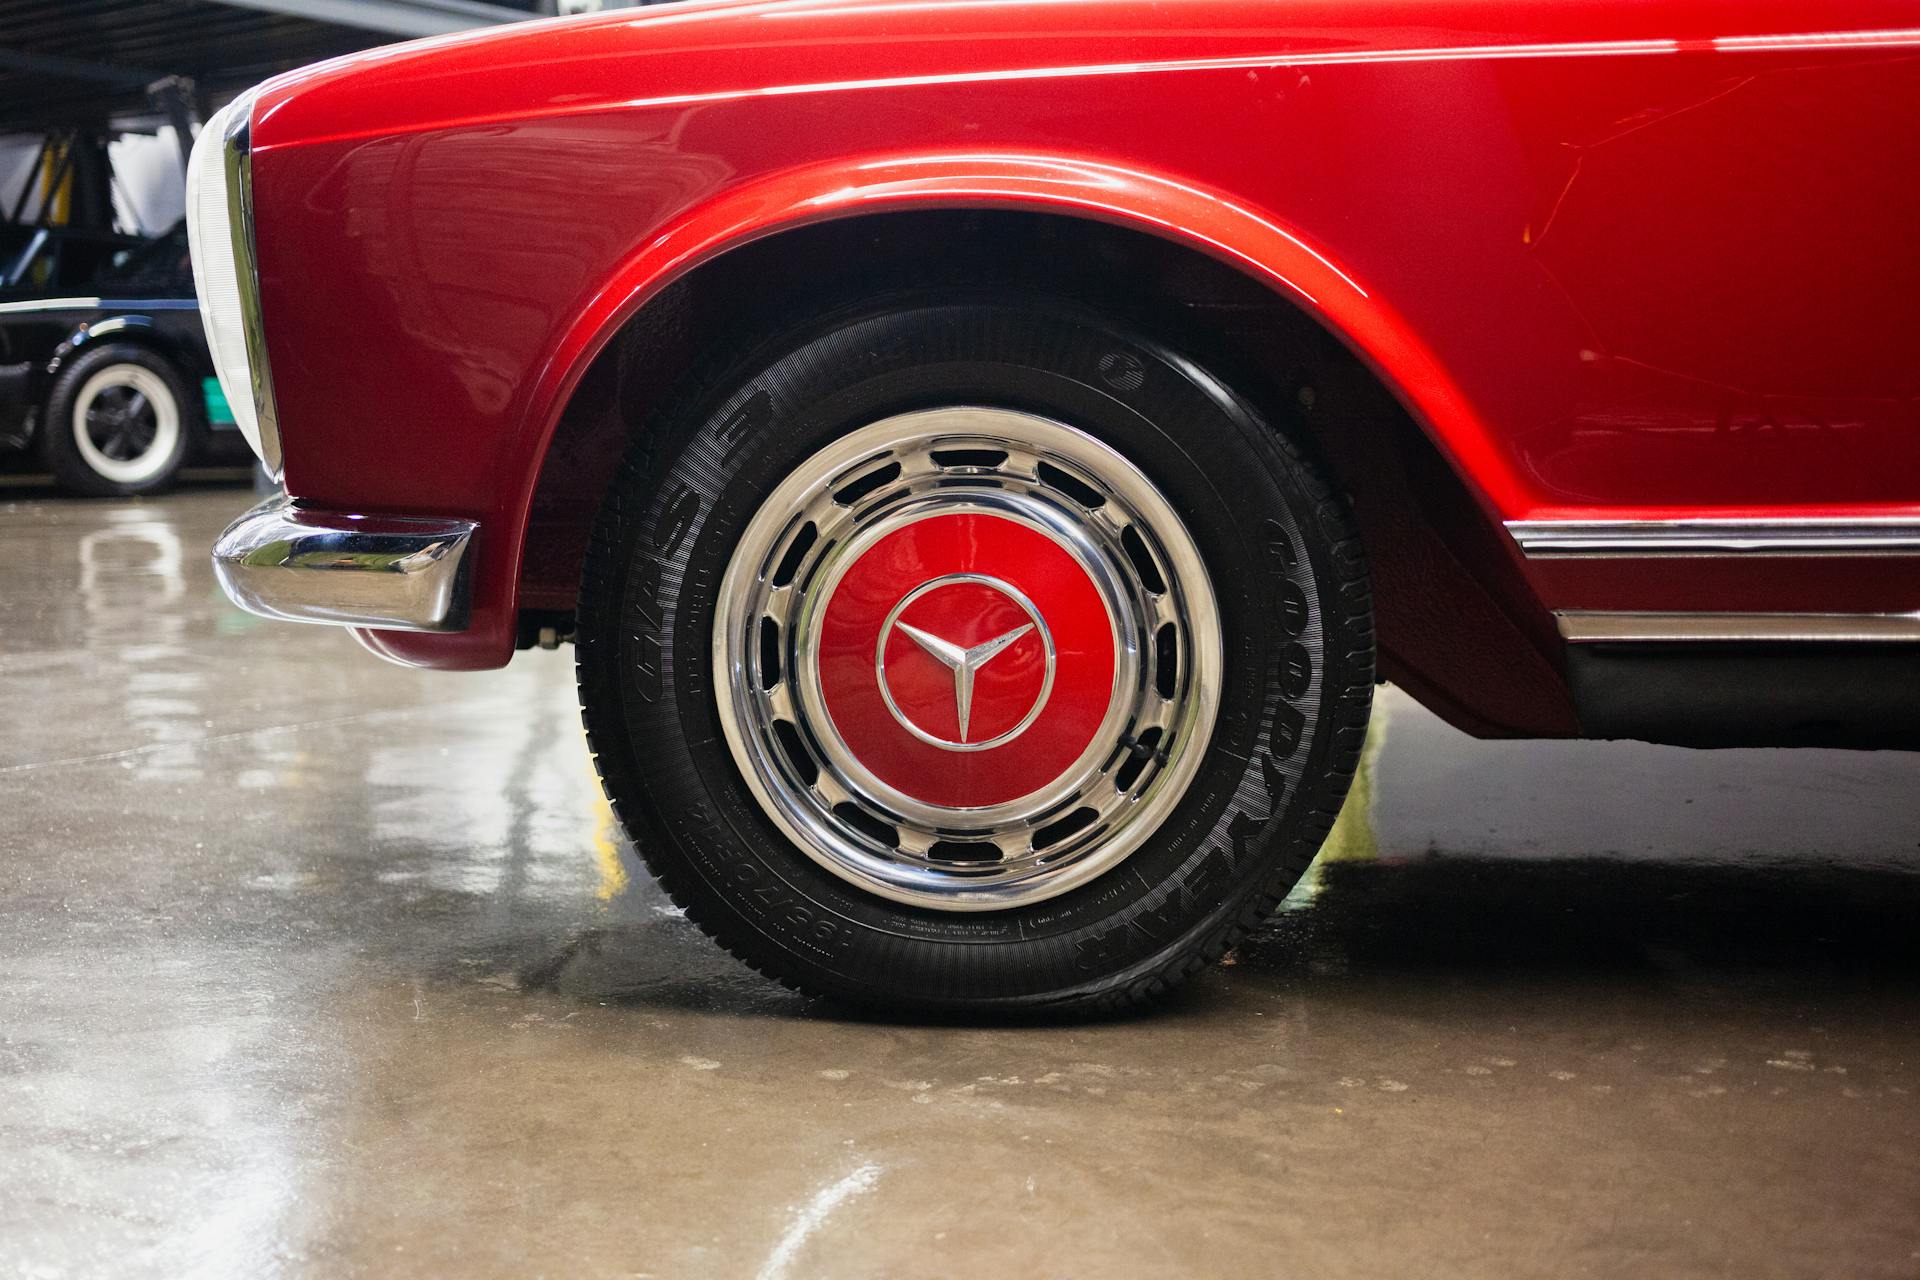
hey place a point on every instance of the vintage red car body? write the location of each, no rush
(1622, 263)
(985, 452)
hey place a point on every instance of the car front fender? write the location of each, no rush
(1159, 204)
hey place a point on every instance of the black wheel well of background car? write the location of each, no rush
(1444, 583)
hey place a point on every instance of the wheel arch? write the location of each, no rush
(1205, 222)
(132, 329)
(1429, 481)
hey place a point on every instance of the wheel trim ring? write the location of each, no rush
(734, 639)
(150, 461)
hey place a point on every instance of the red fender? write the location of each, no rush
(1149, 202)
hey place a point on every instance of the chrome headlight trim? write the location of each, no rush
(221, 228)
(238, 154)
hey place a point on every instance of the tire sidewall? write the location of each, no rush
(1245, 501)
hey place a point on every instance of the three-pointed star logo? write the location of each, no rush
(964, 663)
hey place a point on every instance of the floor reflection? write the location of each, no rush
(316, 965)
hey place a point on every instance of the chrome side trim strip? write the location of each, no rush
(397, 573)
(1543, 539)
(1582, 626)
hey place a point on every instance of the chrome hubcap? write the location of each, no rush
(971, 658)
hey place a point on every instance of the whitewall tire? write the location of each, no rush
(117, 422)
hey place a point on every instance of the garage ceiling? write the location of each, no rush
(83, 61)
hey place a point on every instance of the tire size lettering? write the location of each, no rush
(737, 430)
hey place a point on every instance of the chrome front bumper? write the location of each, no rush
(394, 573)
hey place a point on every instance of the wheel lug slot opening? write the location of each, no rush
(853, 491)
(965, 851)
(796, 552)
(981, 458)
(1074, 487)
(1166, 661)
(867, 824)
(770, 668)
(794, 748)
(1054, 832)
(1143, 562)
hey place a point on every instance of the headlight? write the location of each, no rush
(220, 232)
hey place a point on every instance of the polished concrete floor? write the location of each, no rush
(310, 965)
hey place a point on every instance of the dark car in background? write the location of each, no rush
(112, 382)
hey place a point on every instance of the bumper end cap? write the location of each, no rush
(392, 573)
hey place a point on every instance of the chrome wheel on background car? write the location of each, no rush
(117, 422)
(968, 652)
(972, 656)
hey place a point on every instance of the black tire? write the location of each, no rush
(1286, 568)
(164, 396)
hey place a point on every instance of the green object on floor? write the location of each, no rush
(219, 413)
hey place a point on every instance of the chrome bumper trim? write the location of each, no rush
(396, 573)
(1545, 539)
(1587, 626)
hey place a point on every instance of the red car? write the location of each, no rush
(985, 452)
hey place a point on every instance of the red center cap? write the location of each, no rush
(966, 660)
(975, 692)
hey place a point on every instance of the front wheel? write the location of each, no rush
(960, 654)
(118, 420)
